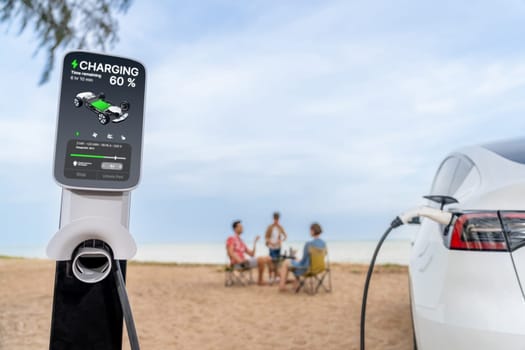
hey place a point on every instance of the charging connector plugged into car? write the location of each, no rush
(412, 216)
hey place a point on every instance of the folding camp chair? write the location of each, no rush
(237, 274)
(318, 273)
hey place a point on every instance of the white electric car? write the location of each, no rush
(467, 278)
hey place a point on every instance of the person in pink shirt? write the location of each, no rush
(241, 255)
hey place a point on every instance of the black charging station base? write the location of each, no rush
(85, 316)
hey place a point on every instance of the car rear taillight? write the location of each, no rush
(478, 231)
(514, 225)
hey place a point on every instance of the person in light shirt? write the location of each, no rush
(274, 237)
(300, 267)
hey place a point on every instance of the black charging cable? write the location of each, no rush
(126, 308)
(396, 223)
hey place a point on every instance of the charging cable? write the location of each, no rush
(126, 308)
(437, 215)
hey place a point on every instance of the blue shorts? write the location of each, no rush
(275, 254)
(297, 268)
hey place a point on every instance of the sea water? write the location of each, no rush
(393, 252)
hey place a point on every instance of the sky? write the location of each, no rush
(331, 111)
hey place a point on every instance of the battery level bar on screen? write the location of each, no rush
(95, 156)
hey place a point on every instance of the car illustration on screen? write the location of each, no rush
(104, 109)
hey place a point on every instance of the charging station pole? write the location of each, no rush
(97, 163)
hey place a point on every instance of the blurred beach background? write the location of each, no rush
(393, 252)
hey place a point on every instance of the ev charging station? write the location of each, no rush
(97, 163)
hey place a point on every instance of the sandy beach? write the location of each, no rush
(188, 307)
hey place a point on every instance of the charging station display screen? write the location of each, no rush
(100, 122)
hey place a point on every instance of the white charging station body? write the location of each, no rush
(97, 162)
(88, 215)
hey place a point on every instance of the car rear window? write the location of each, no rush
(451, 175)
(512, 150)
(100, 105)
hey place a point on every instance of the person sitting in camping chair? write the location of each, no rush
(237, 251)
(312, 265)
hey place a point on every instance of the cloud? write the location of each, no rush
(337, 109)
(254, 108)
(27, 141)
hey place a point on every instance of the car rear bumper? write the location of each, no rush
(434, 335)
(467, 301)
